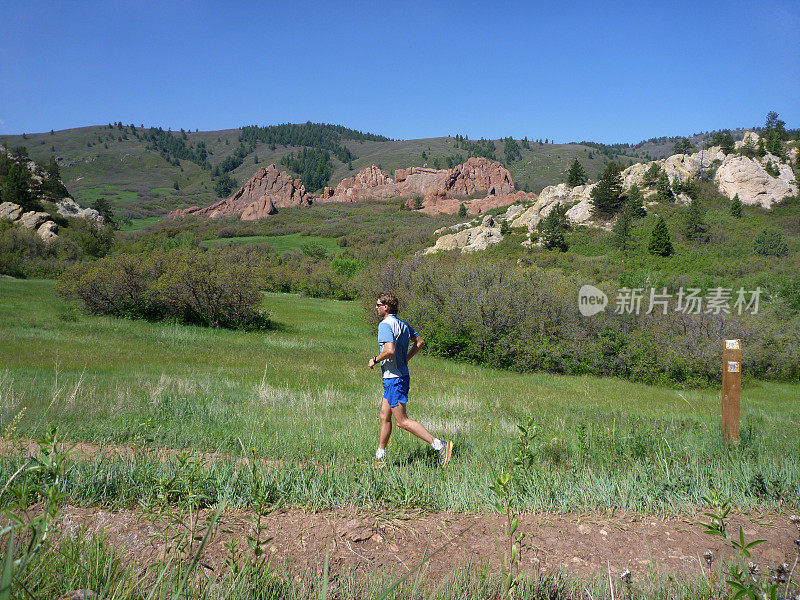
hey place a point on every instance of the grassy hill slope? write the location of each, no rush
(103, 161)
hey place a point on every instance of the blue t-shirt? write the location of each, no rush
(400, 333)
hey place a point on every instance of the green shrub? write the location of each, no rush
(527, 319)
(770, 242)
(189, 286)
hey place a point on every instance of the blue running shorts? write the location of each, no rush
(395, 390)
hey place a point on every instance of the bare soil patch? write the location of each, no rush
(369, 541)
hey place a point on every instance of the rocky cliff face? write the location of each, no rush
(748, 177)
(370, 183)
(735, 174)
(267, 190)
(577, 198)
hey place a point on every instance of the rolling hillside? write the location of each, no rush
(113, 162)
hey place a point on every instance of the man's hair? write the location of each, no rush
(389, 300)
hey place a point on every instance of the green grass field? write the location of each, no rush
(137, 224)
(280, 243)
(301, 394)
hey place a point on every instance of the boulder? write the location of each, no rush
(514, 211)
(33, 219)
(67, 207)
(748, 178)
(749, 136)
(267, 190)
(48, 231)
(471, 239)
(10, 211)
(550, 197)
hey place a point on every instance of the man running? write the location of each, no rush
(398, 344)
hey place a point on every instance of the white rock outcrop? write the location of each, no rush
(10, 211)
(67, 207)
(470, 240)
(48, 231)
(748, 178)
(33, 219)
(550, 197)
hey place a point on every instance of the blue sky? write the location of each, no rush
(602, 71)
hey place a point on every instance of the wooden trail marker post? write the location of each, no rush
(731, 388)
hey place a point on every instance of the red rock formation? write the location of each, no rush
(478, 175)
(370, 183)
(270, 189)
(267, 190)
(474, 176)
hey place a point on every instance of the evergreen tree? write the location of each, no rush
(724, 140)
(773, 123)
(103, 206)
(660, 242)
(774, 145)
(651, 175)
(255, 159)
(462, 210)
(635, 202)
(16, 187)
(663, 189)
(505, 227)
(736, 207)
(683, 146)
(607, 198)
(622, 229)
(224, 185)
(576, 176)
(552, 231)
(694, 226)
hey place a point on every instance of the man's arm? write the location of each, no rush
(418, 343)
(387, 352)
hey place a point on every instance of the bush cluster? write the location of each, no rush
(24, 254)
(214, 288)
(527, 319)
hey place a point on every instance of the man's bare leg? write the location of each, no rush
(410, 425)
(386, 425)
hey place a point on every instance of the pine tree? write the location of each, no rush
(552, 231)
(683, 146)
(103, 206)
(663, 189)
(462, 210)
(736, 207)
(694, 226)
(660, 242)
(652, 175)
(622, 229)
(576, 176)
(607, 198)
(636, 202)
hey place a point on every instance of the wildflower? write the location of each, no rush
(709, 556)
(754, 571)
(627, 579)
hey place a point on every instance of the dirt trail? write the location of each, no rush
(365, 540)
